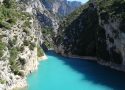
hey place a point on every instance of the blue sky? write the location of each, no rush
(83, 1)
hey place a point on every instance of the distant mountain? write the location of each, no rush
(61, 7)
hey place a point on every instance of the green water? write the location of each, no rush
(60, 73)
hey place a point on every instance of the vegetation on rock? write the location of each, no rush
(2, 46)
(84, 32)
(39, 51)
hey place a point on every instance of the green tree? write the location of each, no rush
(9, 3)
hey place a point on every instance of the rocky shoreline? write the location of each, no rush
(44, 57)
(83, 57)
(101, 62)
(113, 66)
(24, 87)
(18, 82)
(23, 84)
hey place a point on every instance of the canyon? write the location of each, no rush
(29, 27)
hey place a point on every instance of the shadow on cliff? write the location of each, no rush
(94, 72)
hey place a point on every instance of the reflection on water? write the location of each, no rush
(60, 73)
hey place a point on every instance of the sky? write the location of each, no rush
(83, 1)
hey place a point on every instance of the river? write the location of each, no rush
(62, 73)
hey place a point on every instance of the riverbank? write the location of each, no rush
(101, 62)
(44, 57)
(83, 57)
(22, 84)
(83, 74)
(117, 67)
(79, 57)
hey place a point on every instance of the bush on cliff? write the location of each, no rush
(39, 51)
(2, 46)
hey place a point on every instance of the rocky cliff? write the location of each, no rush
(49, 13)
(96, 29)
(24, 26)
(61, 7)
(20, 40)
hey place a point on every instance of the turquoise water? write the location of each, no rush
(60, 73)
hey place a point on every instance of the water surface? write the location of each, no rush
(61, 73)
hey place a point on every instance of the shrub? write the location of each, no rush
(13, 54)
(48, 44)
(26, 42)
(1, 36)
(11, 43)
(32, 46)
(22, 61)
(2, 46)
(26, 31)
(15, 68)
(14, 65)
(2, 81)
(21, 49)
(9, 3)
(39, 51)
(47, 30)
(27, 24)
(5, 25)
(12, 21)
(8, 13)
(21, 73)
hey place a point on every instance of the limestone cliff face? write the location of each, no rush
(61, 7)
(20, 37)
(95, 29)
(47, 21)
(72, 33)
(111, 19)
(48, 14)
(42, 14)
(24, 26)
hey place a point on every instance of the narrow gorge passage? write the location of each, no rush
(61, 73)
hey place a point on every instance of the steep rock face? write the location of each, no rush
(73, 37)
(20, 38)
(61, 7)
(47, 13)
(24, 26)
(45, 18)
(96, 29)
(111, 18)
(48, 21)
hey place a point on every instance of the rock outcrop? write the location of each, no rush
(95, 29)
(24, 26)
(20, 38)
(61, 7)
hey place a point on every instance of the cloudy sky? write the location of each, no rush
(83, 1)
